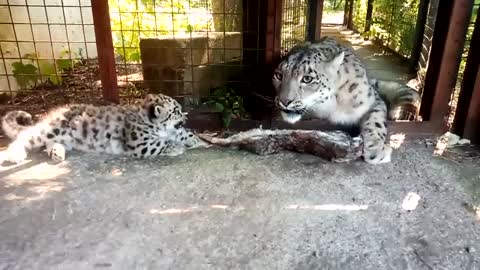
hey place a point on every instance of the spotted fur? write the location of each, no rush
(327, 80)
(153, 128)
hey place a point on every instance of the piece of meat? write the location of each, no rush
(336, 146)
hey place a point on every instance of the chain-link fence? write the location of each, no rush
(294, 23)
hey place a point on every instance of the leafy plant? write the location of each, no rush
(393, 23)
(24, 74)
(333, 6)
(28, 74)
(226, 102)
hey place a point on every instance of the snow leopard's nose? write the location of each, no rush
(284, 103)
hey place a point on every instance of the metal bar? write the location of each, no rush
(419, 32)
(447, 46)
(467, 115)
(106, 56)
(315, 10)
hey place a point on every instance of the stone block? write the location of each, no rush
(190, 64)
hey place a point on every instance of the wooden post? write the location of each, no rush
(251, 21)
(315, 11)
(368, 17)
(422, 16)
(471, 129)
(273, 31)
(467, 115)
(106, 57)
(447, 47)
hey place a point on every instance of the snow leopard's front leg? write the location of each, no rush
(374, 133)
(191, 140)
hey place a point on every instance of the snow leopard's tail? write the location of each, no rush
(15, 122)
(403, 102)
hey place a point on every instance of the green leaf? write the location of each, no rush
(56, 79)
(135, 56)
(64, 53)
(219, 107)
(24, 74)
(48, 71)
(64, 64)
(219, 92)
(46, 68)
(226, 118)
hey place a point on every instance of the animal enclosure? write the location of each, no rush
(217, 56)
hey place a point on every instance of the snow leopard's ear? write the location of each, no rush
(334, 64)
(155, 107)
(156, 112)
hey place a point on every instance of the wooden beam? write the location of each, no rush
(106, 57)
(447, 47)
(273, 31)
(472, 121)
(467, 115)
(212, 122)
(315, 11)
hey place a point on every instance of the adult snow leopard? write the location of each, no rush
(327, 80)
(150, 129)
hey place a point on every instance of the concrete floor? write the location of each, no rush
(227, 209)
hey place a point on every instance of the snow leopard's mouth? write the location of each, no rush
(292, 116)
(179, 124)
(293, 112)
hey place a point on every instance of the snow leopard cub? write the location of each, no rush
(328, 81)
(151, 129)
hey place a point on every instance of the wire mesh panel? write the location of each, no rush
(185, 48)
(294, 23)
(428, 35)
(46, 47)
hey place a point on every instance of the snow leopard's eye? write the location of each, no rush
(278, 76)
(307, 79)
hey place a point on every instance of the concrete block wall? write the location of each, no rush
(190, 64)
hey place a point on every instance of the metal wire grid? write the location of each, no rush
(428, 35)
(294, 23)
(183, 48)
(41, 41)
